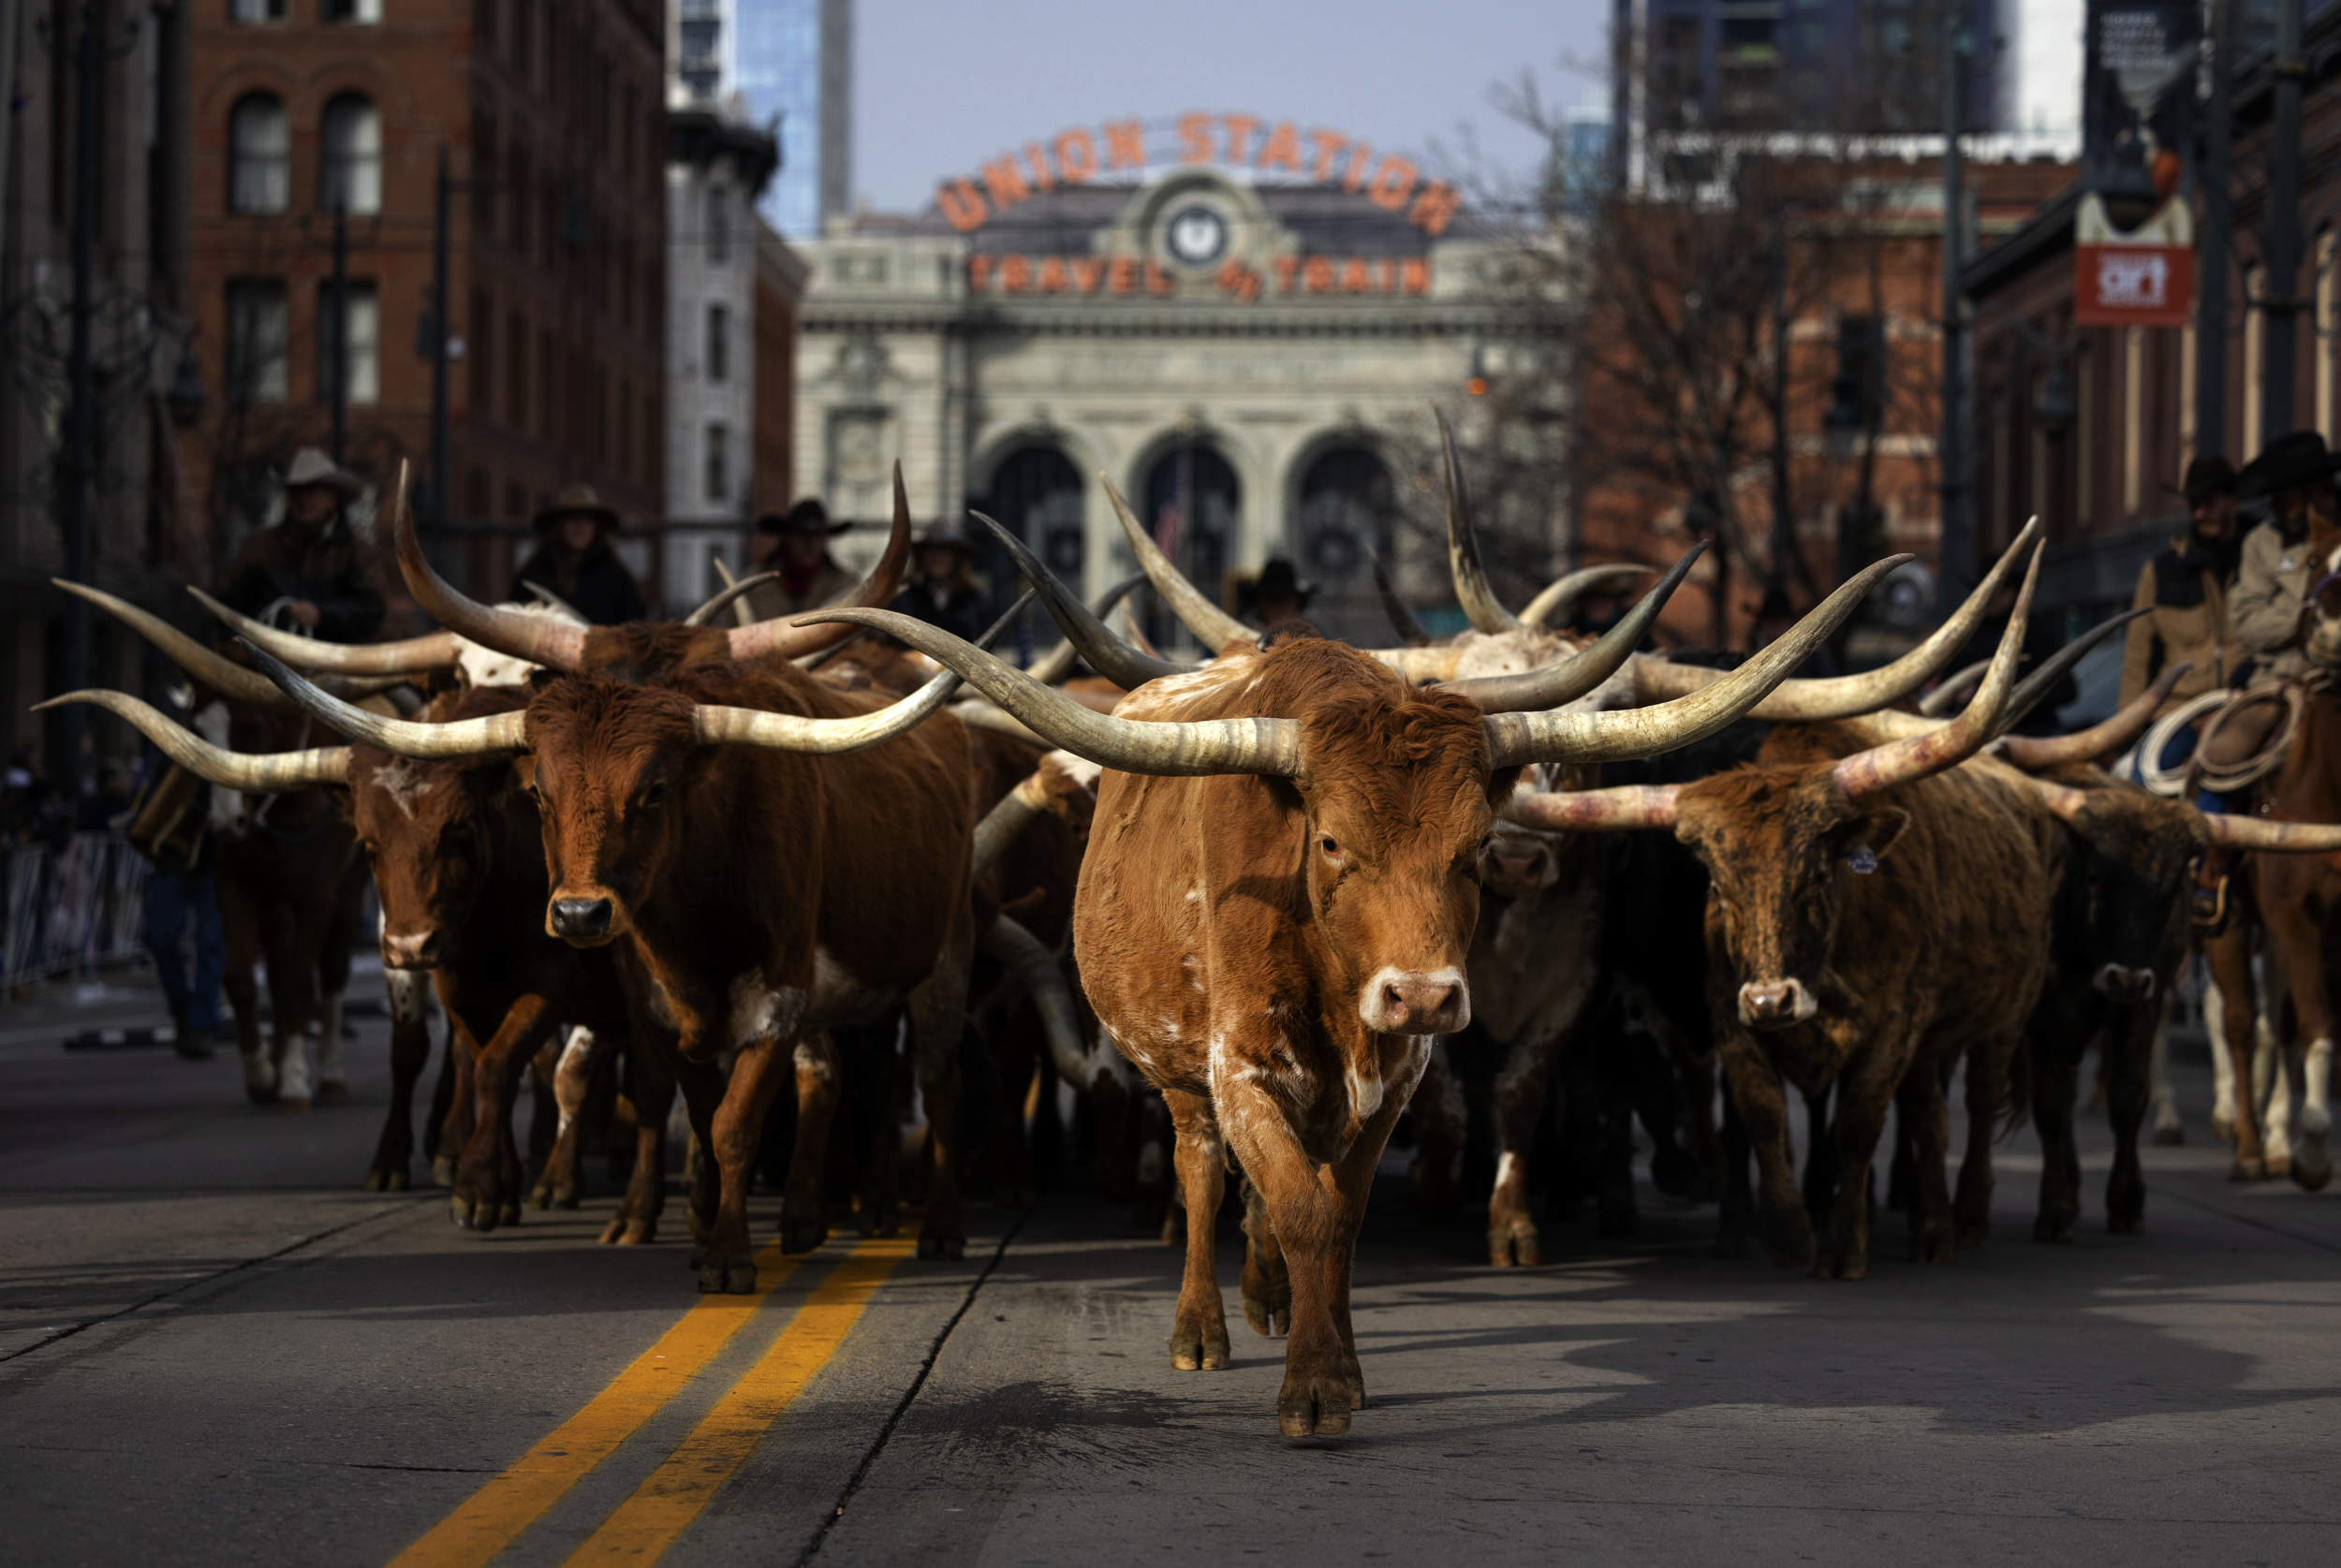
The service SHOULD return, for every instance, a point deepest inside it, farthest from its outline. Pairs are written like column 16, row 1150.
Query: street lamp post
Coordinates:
column 1955, row 541
column 2279, row 299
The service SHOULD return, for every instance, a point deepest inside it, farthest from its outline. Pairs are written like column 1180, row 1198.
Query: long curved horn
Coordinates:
column 1562, row 595
column 2258, row 832
column 1946, row 695
column 254, row 772
column 1569, row 679
column 1214, row 627
column 1587, row 810
column 1842, row 696
column 1402, row 620
column 783, row 638
column 540, row 639
column 496, row 733
column 222, row 674
column 1518, row 739
column 1898, row 762
column 1052, row 668
column 1271, row 746
column 413, row 655
column 1007, row 818
column 979, row 713
column 1108, row 655
column 2031, row 751
column 740, row 613
column 726, row 597
column 1481, row 606
column 1021, row 953
column 715, row 724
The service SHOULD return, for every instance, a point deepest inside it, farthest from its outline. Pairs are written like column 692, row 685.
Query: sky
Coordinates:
column 942, row 85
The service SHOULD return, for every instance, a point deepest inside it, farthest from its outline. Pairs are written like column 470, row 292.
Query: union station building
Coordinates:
column 1223, row 309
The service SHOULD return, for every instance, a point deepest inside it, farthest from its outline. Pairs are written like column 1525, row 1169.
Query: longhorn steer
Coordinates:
column 1873, row 918
column 1275, row 914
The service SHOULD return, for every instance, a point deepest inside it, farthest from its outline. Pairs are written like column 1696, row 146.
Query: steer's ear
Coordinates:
column 1876, row 832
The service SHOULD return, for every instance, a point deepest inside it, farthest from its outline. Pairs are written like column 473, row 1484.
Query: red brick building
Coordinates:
column 550, row 117
column 2092, row 426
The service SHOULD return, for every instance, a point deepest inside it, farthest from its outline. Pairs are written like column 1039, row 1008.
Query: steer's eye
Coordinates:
column 1331, row 848
column 655, row 795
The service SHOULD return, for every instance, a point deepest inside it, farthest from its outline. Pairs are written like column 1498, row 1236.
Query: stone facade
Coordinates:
column 1268, row 349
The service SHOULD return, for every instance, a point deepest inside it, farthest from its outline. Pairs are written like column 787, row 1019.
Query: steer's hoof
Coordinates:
column 623, row 1231
column 2253, row 1169
column 1317, row 1406
column 1930, row 1244
column 293, row 1105
column 511, row 1212
column 1201, row 1347
column 2126, row 1225
column 2312, row 1178
column 2279, row 1166
column 728, row 1277
column 1971, row 1233
column 1513, row 1245
column 2056, row 1230
column 334, row 1088
column 2170, row 1136
column 802, row 1233
column 1851, row 1265
column 2223, row 1126
column 443, row 1171
column 949, row 1245
column 387, row 1180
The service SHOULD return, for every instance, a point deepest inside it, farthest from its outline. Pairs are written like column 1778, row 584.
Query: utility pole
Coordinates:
column 1955, row 546
column 2277, row 298
column 81, row 441
column 2211, row 296
column 338, row 363
column 441, row 486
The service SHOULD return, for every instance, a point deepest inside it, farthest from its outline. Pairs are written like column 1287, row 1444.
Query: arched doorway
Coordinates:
column 1193, row 502
column 1348, row 507
column 1036, row 494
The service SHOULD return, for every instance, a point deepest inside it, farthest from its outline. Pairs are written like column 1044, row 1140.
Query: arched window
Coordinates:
column 260, row 154
column 350, row 171
column 1348, row 506
column 1194, row 490
column 1037, row 495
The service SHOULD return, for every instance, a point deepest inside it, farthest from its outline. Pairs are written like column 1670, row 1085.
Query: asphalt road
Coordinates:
column 214, row 1348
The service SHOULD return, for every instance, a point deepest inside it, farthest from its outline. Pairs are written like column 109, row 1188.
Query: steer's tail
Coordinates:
column 2016, row 1107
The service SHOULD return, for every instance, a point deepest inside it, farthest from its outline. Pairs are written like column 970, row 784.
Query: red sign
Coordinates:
column 2140, row 277
column 2132, row 285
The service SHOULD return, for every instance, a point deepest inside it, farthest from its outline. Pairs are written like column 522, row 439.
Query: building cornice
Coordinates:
column 1184, row 321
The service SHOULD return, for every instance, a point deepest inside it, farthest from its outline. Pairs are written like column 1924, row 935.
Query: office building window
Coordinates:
column 718, row 344
column 719, row 226
column 260, row 154
column 362, row 329
column 257, row 337
column 257, row 10
column 363, row 12
column 350, row 170
column 718, row 463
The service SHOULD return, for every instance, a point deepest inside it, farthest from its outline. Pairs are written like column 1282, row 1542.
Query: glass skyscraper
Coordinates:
column 794, row 59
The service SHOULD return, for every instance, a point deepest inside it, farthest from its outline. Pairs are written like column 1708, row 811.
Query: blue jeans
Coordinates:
column 173, row 900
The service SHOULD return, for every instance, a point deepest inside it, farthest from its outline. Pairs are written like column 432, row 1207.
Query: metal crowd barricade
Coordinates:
column 72, row 909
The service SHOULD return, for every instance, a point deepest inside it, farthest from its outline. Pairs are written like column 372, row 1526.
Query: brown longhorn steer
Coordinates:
column 1275, row 914
column 1873, row 917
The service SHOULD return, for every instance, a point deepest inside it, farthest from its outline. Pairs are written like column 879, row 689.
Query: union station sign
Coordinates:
column 1268, row 149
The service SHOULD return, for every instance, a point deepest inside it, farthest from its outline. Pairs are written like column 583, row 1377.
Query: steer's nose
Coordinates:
column 581, row 919
column 411, row 951
column 2128, row 986
column 1416, row 1002
column 1776, row 1004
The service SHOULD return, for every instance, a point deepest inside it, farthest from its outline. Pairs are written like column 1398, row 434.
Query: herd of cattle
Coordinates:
column 1250, row 910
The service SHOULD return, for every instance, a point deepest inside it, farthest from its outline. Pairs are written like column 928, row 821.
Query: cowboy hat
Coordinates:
column 944, row 536
column 2296, row 458
column 577, row 500
column 807, row 515
column 1278, row 580
column 2207, row 476
column 311, row 467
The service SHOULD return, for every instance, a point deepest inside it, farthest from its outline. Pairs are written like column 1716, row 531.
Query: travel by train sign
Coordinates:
column 1269, row 150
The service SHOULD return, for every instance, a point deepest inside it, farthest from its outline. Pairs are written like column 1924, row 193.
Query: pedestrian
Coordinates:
column 576, row 564
column 308, row 573
column 797, row 546
column 168, row 823
column 943, row 592
column 1279, row 594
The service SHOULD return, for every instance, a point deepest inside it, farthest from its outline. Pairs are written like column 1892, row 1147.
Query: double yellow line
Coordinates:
column 642, row 1526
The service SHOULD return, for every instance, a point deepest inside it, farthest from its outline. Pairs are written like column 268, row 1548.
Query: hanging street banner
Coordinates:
column 2142, row 278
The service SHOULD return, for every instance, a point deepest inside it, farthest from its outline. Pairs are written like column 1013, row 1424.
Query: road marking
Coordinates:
column 492, row 1518
column 671, row 1497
